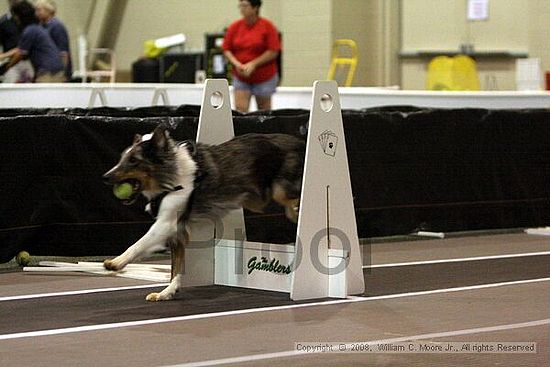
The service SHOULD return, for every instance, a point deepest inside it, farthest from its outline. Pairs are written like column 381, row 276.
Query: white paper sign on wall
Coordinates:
column 478, row 10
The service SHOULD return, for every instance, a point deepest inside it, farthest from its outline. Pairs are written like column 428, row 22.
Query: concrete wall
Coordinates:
column 352, row 20
column 305, row 27
column 537, row 28
column 513, row 25
column 308, row 27
column 381, row 28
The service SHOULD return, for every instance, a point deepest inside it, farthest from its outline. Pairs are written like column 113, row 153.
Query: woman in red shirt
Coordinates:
column 251, row 45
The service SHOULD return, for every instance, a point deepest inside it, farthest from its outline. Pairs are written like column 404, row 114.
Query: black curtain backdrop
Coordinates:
column 411, row 169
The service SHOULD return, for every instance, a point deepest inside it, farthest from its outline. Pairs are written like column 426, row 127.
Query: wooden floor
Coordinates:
column 470, row 289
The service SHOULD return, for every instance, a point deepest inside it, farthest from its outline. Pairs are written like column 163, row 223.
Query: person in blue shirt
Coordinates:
column 9, row 38
column 36, row 45
column 45, row 11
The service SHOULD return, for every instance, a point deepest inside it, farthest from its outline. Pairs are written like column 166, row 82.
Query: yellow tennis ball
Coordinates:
column 123, row 191
column 23, row 258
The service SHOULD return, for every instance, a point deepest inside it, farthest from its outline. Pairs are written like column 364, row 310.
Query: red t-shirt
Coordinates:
column 247, row 42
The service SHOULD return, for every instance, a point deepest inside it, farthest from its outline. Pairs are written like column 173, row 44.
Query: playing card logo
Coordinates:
column 329, row 142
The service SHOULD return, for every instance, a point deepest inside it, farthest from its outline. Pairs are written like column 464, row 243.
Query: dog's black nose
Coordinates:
column 107, row 179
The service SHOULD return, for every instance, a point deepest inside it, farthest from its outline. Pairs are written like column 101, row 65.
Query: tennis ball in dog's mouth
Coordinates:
column 23, row 258
column 123, row 191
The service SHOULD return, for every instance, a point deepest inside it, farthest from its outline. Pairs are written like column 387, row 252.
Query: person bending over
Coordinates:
column 36, row 44
column 9, row 38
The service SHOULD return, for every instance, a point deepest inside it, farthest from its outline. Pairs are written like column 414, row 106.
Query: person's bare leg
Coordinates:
column 264, row 103
column 242, row 100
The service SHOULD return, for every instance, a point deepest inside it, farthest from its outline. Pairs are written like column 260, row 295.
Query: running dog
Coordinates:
column 184, row 181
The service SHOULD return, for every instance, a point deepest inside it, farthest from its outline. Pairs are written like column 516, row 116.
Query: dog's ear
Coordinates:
column 161, row 135
column 137, row 139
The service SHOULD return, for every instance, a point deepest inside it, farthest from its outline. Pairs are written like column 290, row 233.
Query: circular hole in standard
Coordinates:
column 216, row 99
column 327, row 102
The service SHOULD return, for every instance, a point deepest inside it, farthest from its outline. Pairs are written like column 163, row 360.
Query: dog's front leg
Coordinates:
column 154, row 240
column 177, row 248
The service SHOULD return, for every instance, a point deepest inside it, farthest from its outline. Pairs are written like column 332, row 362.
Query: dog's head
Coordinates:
column 147, row 164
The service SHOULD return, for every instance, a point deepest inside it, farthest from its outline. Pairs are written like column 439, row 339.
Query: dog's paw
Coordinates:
column 155, row 297
column 111, row 265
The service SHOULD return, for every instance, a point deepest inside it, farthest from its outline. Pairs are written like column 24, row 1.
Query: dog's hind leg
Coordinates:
column 288, row 196
column 255, row 203
column 292, row 210
column 177, row 249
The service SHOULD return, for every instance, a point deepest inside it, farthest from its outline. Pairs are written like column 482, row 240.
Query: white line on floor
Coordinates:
column 450, row 290
column 81, row 291
column 100, row 290
column 164, row 320
column 293, row 353
column 443, row 261
column 117, row 325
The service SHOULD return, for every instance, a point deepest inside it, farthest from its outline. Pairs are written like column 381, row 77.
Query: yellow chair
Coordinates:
column 458, row 73
column 339, row 60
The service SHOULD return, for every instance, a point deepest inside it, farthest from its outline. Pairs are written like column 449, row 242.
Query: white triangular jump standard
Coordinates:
column 326, row 261
column 330, row 260
column 215, row 127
